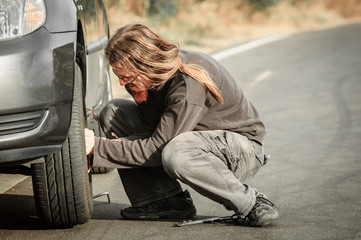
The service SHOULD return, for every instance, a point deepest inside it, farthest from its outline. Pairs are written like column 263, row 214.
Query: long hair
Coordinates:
column 140, row 48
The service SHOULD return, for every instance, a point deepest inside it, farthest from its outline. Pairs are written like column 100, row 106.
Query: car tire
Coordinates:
column 62, row 185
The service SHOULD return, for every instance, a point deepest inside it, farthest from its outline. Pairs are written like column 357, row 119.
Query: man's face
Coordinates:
column 137, row 83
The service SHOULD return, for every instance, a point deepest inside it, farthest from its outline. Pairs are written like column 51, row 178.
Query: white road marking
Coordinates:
column 7, row 181
column 263, row 76
column 247, row 46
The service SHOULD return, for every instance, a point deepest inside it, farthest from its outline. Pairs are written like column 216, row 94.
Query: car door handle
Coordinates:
column 97, row 45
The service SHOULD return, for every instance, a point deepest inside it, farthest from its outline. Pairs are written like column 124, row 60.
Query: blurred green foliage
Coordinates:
column 261, row 5
column 162, row 8
column 166, row 8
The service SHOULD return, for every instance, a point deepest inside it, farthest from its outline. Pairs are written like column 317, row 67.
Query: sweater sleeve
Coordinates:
column 180, row 115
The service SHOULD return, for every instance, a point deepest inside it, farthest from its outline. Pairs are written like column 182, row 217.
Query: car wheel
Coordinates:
column 62, row 185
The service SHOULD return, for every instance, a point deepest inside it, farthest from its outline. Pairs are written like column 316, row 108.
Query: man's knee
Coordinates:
column 121, row 108
column 175, row 159
column 106, row 113
column 171, row 157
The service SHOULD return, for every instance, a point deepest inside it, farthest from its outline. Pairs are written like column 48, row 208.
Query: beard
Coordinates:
column 140, row 97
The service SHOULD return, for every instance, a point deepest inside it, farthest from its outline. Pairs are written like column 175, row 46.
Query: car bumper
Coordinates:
column 36, row 79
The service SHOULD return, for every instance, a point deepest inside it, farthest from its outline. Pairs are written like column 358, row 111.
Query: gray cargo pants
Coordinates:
column 214, row 163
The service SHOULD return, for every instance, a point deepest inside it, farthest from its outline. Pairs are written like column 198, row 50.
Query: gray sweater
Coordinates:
column 182, row 105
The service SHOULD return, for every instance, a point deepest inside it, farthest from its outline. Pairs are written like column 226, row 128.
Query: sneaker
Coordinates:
column 263, row 212
column 179, row 206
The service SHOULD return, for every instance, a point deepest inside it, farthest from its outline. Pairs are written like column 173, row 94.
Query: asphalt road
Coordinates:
column 307, row 88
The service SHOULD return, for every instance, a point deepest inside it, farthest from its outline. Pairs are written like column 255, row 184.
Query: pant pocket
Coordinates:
column 251, row 159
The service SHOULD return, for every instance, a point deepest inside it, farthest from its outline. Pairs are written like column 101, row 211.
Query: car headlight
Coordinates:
column 20, row 17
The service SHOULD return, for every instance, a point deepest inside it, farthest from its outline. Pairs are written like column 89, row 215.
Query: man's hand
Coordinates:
column 89, row 141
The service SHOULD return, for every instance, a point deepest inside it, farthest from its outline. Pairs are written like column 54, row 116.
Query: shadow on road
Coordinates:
column 20, row 169
column 107, row 211
column 18, row 212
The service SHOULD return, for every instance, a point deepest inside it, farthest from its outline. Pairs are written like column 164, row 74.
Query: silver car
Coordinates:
column 53, row 78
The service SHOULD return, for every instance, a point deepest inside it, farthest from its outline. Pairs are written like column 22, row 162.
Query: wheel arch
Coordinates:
column 80, row 53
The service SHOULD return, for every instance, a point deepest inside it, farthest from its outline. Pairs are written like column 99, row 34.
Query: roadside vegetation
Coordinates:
column 211, row 25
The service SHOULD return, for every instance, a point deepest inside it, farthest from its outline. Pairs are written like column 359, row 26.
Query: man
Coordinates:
column 190, row 122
